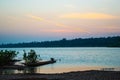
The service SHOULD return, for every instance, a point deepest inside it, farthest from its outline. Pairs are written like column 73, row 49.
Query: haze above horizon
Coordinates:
column 42, row 20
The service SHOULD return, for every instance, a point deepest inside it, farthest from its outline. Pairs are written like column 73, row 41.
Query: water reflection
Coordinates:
column 7, row 71
column 27, row 70
column 14, row 71
column 53, row 70
column 108, row 69
column 30, row 70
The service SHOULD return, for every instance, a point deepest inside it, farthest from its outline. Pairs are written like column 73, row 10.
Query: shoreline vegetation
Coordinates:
column 78, row 42
column 31, row 59
column 7, row 57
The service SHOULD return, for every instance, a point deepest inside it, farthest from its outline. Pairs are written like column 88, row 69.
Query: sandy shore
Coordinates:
column 78, row 75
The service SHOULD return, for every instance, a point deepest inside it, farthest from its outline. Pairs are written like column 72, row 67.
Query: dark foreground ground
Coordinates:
column 80, row 75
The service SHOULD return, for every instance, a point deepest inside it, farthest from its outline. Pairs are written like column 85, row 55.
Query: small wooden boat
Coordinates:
column 39, row 63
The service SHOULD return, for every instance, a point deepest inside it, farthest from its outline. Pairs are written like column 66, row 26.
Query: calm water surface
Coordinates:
column 71, row 59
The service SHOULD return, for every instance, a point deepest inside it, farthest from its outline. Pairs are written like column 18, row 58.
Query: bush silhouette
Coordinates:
column 31, row 57
column 7, row 57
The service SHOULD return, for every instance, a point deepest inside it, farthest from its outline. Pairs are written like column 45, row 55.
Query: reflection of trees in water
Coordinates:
column 30, row 70
column 14, row 71
column 10, row 71
column 6, row 71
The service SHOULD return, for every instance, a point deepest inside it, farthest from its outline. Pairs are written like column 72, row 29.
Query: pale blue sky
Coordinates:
column 39, row 20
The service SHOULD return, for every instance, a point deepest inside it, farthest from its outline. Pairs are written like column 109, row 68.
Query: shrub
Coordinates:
column 7, row 57
column 31, row 57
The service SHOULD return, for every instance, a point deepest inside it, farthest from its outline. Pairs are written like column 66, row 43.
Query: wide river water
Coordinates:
column 75, row 59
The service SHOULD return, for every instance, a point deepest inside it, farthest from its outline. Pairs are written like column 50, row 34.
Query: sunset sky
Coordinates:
column 41, row 20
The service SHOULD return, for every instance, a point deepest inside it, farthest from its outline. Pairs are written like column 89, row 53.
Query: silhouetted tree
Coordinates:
column 7, row 57
column 31, row 57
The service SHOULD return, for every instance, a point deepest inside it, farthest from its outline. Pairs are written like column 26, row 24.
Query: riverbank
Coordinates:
column 78, row 75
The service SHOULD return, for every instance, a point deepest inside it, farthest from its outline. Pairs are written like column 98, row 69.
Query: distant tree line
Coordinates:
column 78, row 42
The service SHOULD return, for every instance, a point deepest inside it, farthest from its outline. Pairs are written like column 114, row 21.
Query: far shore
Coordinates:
column 77, row 75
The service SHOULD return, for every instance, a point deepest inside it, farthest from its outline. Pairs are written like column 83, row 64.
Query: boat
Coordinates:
column 40, row 63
